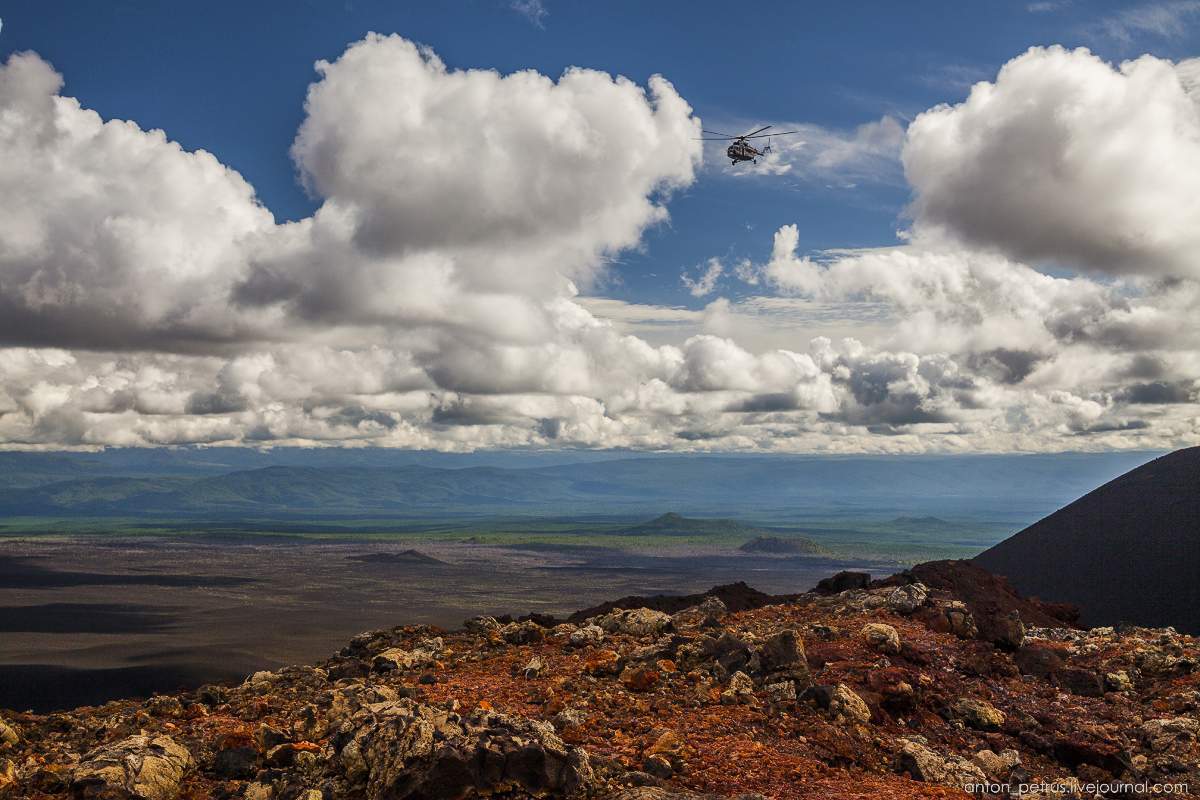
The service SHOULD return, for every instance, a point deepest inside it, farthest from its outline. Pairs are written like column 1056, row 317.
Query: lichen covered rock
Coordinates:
column 881, row 637
column 634, row 622
column 908, row 598
column 925, row 764
column 405, row 749
column 134, row 768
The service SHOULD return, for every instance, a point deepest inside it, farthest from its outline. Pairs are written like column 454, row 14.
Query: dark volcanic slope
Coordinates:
column 1128, row 551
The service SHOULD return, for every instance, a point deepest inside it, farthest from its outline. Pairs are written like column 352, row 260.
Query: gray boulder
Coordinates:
column 907, row 599
column 881, row 638
column 135, row 768
column 1174, row 735
column 404, row 749
column 709, row 612
column 923, row 764
column 10, row 734
column 634, row 621
column 592, row 635
column 846, row 706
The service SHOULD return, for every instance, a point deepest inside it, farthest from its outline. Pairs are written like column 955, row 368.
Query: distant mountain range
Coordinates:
column 232, row 483
column 1127, row 552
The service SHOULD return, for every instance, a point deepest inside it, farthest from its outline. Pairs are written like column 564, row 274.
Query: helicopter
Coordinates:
column 740, row 148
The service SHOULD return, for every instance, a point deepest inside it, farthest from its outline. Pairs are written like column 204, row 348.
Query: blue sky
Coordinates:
column 981, row 239
column 230, row 77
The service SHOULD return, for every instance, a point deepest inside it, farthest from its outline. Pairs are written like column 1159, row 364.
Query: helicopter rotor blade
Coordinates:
column 753, row 133
column 769, row 135
column 718, row 133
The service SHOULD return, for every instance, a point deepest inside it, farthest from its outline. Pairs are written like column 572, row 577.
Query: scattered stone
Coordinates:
column 846, row 706
column 481, row 624
column 708, row 613
column 1083, row 682
column 162, row 706
column 741, row 689
column 659, row 766
column 260, row 679
column 639, row 678
column 1038, row 660
column 533, row 669
column 10, row 734
column 568, row 718
column 407, row 749
column 426, row 654
column 896, row 693
column 258, row 791
column 924, row 764
column 661, row 793
column 668, row 743
column 881, row 638
column 634, row 621
column 825, row 633
column 237, row 759
column 782, row 692
column 908, row 598
column 138, row 768
column 290, row 754
column 267, row 737
column 731, row 653
column 1118, row 681
column 660, row 648
column 959, row 620
column 843, row 581
column 349, row 669
column 602, row 662
column 525, row 632
column 587, row 636
column 1008, row 631
column 997, row 766
column 978, row 714
column 212, row 695
column 784, row 652
column 563, row 630
column 343, row 731
column 1170, row 735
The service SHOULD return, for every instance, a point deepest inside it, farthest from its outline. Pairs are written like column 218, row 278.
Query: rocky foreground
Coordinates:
column 929, row 684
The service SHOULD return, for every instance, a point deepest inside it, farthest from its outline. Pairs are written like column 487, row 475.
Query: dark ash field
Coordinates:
column 84, row 619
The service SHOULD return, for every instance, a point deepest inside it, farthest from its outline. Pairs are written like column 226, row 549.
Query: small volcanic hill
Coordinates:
column 1126, row 552
column 672, row 524
column 779, row 545
column 920, row 524
column 403, row 557
column 887, row 690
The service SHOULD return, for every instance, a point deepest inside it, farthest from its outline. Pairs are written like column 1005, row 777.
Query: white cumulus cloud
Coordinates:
column 1065, row 158
column 436, row 297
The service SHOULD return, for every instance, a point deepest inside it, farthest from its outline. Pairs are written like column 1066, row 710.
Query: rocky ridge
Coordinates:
column 892, row 688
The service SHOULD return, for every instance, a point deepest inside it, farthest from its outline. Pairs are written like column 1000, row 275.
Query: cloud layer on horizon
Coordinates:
column 434, row 299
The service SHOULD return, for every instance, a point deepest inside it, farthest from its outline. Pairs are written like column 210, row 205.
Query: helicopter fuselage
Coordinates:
column 742, row 151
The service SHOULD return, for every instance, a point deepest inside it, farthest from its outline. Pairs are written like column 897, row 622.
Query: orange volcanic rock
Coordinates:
column 784, row 700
